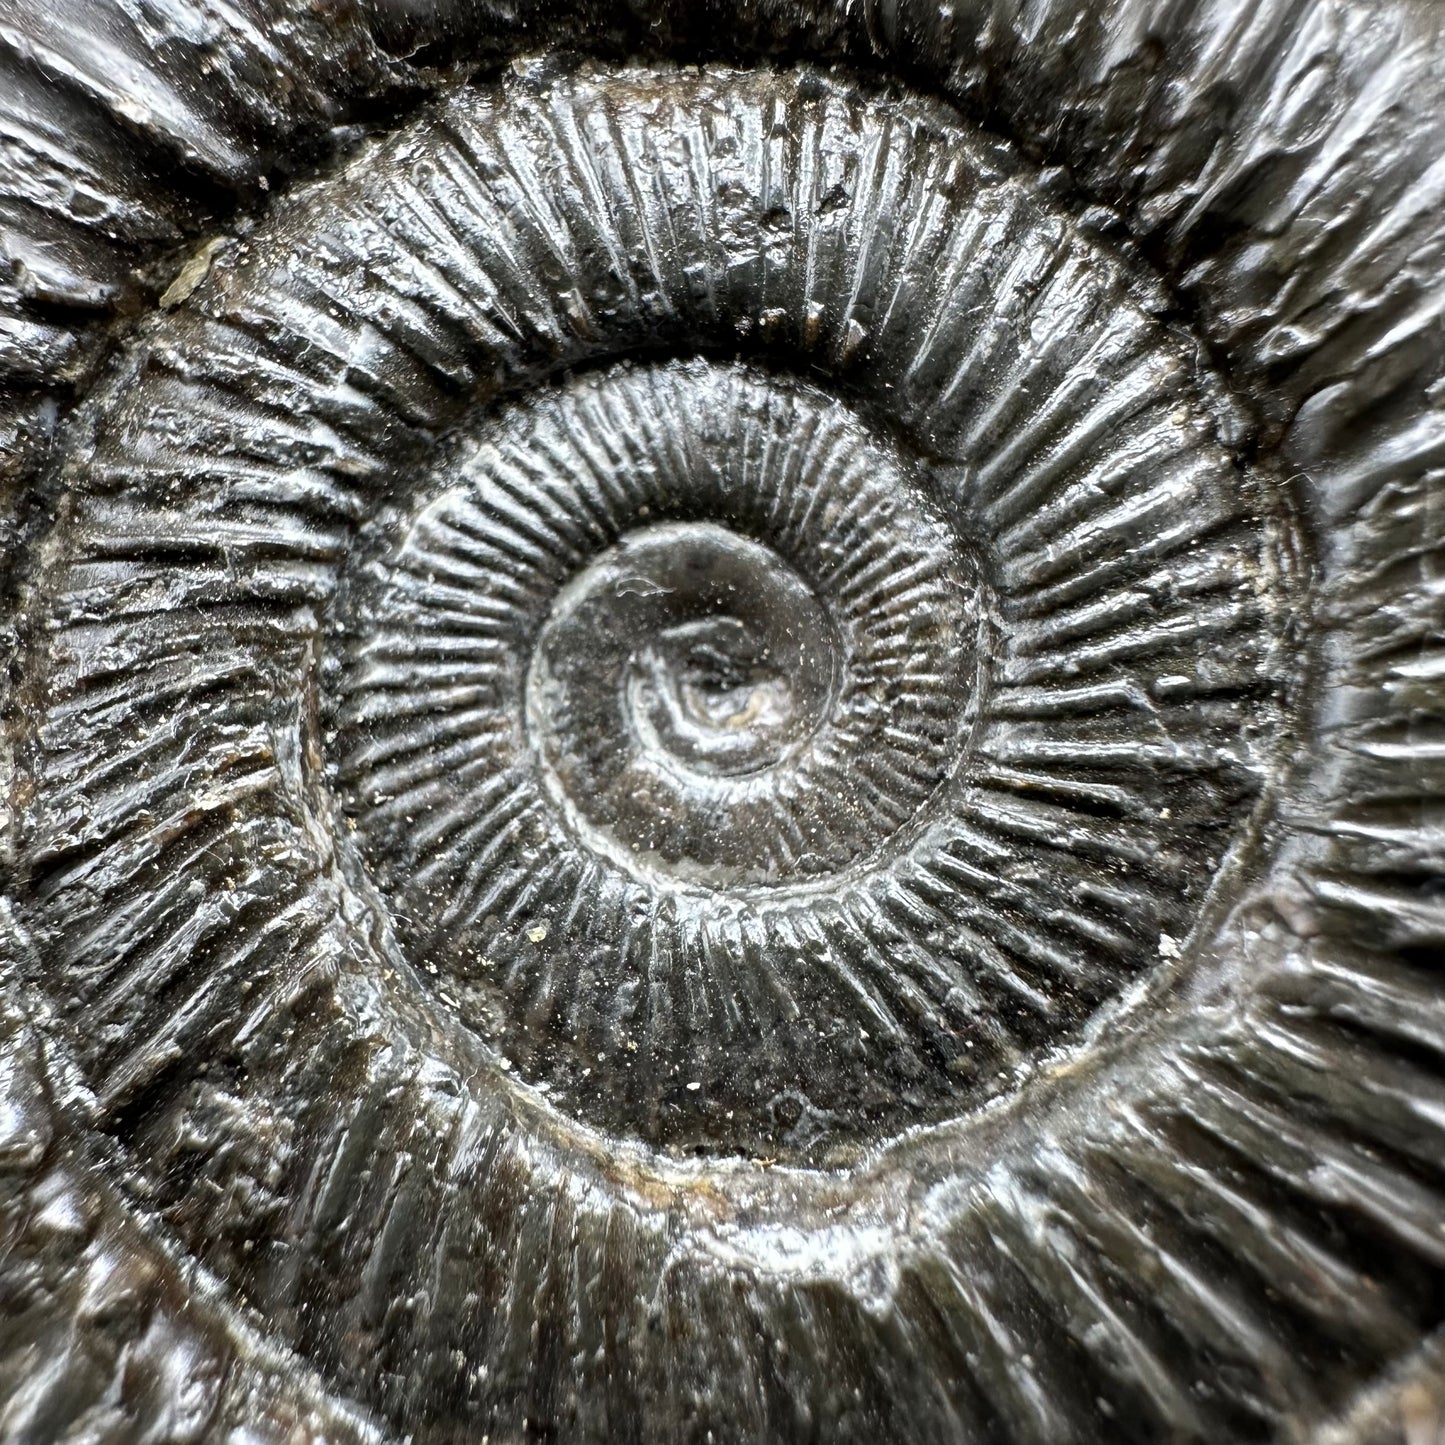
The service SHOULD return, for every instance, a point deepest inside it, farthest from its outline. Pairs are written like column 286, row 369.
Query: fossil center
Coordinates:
column 671, row 673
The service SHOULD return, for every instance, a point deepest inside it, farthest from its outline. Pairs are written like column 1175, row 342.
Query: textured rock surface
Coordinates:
column 723, row 722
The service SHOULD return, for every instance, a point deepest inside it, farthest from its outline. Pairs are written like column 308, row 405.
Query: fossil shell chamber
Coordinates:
column 725, row 739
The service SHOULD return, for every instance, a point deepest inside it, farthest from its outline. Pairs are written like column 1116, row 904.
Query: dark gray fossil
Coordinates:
column 723, row 722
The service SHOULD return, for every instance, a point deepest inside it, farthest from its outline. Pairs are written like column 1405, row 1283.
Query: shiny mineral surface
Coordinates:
column 722, row 722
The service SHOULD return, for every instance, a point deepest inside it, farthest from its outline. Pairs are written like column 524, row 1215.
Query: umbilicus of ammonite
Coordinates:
column 722, row 723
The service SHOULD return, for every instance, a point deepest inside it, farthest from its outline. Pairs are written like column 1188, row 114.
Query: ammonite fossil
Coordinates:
column 723, row 723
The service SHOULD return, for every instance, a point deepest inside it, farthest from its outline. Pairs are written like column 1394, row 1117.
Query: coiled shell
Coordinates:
column 697, row 754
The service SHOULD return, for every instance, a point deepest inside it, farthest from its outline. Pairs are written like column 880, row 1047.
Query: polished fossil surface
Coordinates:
column 722, row 722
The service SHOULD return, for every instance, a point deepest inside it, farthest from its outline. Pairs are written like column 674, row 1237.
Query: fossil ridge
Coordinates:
column 721, row 721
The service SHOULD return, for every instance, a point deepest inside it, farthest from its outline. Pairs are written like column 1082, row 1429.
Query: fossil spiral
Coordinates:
column 722, row 726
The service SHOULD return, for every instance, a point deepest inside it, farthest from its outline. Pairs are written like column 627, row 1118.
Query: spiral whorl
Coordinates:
column 672, row 657
column 717, row 751
column 753, row 769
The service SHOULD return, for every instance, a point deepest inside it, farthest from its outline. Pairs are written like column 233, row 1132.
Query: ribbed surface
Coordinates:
column 1220, row 1220
column 1121, row 747
column 587, row 888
